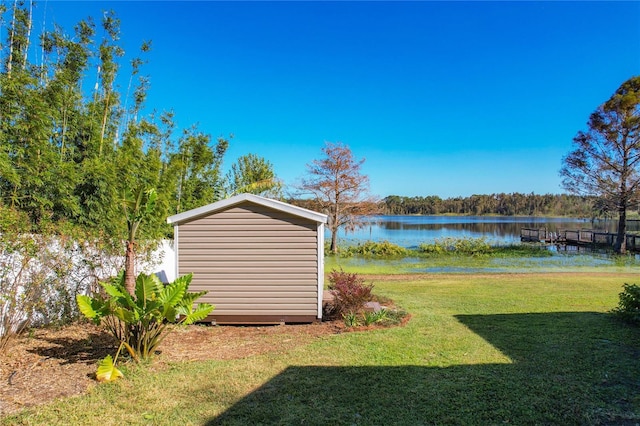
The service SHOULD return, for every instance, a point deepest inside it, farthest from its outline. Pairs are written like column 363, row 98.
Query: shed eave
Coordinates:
column 256, row 199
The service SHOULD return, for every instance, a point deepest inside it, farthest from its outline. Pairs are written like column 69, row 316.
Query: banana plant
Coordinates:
column 139, row 321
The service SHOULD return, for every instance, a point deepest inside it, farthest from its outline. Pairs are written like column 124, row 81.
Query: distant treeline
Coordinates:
column 515, row 204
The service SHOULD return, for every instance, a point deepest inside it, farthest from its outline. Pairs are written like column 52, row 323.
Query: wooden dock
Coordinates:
column 581, row 237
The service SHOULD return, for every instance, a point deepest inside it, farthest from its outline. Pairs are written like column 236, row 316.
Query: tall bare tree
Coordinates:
column 606, row 159
column 340, row 189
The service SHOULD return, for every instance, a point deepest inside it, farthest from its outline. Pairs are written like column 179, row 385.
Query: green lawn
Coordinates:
column 479, row 349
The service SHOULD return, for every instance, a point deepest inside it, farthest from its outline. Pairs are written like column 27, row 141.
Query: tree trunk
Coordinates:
column 13, row 30
column 620, row 245
column 334, row 241
column 26, row 47
column 129, row 266
column 104, row 121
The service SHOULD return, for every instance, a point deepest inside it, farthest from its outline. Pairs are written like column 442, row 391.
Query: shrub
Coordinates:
column 375, row 249
column 139, row 321
column 431, row 248
column 351, row 319
column 472, row 246
column 41, row 273
column 349, row 291
column 466, row 246
column 629, row 305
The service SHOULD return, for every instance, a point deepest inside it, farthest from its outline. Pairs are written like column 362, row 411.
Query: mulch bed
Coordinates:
column 49, row 363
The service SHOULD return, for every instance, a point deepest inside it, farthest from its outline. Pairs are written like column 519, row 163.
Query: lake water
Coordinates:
column 411, row 231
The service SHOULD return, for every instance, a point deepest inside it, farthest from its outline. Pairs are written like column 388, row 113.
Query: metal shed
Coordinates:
column 261, row 260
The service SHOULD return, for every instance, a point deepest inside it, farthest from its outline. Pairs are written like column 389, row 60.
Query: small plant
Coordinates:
column 383, row 317
column 139, row 322
column 368, row 318
column 629, row 305
column 351, row 319
column 349, row 291
column 374, row 317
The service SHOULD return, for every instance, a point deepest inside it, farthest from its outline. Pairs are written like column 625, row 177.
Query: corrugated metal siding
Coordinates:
column 253, row 261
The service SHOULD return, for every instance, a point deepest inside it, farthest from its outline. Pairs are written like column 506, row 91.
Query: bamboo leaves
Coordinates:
column 72, row 143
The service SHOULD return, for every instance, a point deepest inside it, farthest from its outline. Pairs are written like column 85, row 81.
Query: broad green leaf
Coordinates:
column 107, row 371
column 184, row 279
column 93, row 308
column 159, row 285
column 189, row 298
column 200, row 313
column 113, row 290
column 153, row 305
column 119, row 294
column 172, row 294
column 170, row 313
column 147, row 287
column 119, row 279
column 86, row 306
column 126, row 315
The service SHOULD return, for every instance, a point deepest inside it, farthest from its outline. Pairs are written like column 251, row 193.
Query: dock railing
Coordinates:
column 533, row 234
column 578, row 237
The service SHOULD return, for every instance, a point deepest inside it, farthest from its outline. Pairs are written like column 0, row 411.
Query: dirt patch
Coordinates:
column 50, row 363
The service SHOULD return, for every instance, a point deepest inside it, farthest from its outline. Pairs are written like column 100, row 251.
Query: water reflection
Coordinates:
column 410, row 231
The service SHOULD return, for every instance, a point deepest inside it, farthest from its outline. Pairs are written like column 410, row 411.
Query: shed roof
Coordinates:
column 255, row 199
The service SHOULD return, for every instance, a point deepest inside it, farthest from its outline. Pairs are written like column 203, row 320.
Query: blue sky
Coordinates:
column 440, row 98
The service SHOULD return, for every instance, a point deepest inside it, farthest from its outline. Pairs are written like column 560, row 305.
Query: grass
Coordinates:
column 470, row 264
column 480, row 349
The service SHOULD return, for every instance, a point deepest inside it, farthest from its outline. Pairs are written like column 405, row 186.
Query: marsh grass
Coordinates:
column 480, row 349
column 521, row 250
column 464, row 254
column 441, row 247
column 372, row 249
column 469, row 257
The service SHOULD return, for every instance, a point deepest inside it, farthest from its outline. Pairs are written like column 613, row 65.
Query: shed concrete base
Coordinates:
column 259, row 319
